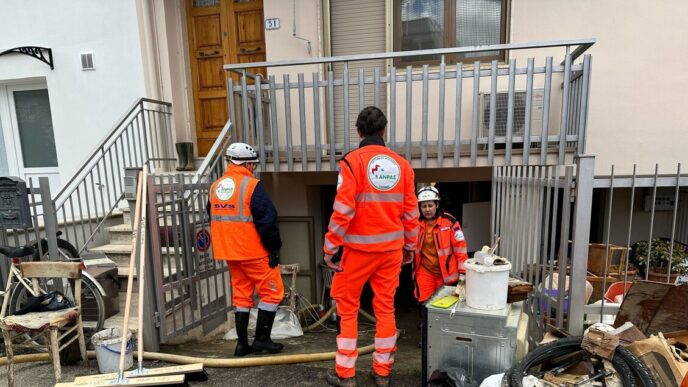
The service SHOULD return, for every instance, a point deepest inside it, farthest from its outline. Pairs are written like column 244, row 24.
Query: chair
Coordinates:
column 51, row 328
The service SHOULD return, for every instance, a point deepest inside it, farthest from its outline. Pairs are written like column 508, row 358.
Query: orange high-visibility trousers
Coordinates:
column 247, row 276
column 426, row 284
column 382, row 269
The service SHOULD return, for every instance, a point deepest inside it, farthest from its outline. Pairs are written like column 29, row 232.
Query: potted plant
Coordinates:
column 659, row 259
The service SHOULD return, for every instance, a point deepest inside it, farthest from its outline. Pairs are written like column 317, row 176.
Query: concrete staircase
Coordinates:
column 119, row 251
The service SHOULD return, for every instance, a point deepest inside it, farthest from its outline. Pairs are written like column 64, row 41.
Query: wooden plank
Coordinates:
column 143, row 381
column 51, row 269
column 180, row 369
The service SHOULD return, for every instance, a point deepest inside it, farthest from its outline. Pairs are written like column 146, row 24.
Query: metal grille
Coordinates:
column 535, row 218
column 501, row 112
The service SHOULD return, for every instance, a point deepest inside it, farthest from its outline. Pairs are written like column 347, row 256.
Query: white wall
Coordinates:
column 84, row 104
column 638, row 86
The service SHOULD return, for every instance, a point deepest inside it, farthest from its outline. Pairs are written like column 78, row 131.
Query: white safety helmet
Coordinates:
column 240, row 153
column 427, row 194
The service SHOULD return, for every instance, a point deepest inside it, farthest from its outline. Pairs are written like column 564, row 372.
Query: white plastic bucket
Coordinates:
column 487, row 287
column 108, row 344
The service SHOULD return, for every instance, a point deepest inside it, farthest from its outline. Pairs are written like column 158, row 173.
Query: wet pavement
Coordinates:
column 406, row 369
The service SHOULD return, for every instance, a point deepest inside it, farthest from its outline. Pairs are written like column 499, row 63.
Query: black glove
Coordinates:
column 274, row 259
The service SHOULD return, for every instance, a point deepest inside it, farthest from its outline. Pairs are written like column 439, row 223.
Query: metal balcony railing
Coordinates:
column 533, row 111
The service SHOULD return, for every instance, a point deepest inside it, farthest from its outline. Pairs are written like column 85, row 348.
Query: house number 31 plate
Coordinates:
column 272, row 24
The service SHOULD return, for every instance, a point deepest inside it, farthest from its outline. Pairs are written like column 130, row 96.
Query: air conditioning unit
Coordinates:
column 519, row 118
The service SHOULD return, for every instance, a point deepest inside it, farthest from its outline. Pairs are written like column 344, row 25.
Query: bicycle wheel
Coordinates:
column 66, row 250
column 92, row 304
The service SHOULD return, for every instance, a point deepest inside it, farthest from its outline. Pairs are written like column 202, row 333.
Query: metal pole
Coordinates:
column 49, row 218
column 585, row 177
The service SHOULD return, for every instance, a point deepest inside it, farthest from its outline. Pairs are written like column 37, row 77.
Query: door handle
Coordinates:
column 202, row 53
column 245, row 51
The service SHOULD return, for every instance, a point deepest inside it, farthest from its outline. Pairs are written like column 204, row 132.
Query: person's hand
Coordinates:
column 331, row 265
column 274, row 259
column 408, row 257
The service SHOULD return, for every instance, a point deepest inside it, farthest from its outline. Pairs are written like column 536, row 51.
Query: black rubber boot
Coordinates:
column 190, row 164
column 241, row 322
column 262, row 342
column 181, row 156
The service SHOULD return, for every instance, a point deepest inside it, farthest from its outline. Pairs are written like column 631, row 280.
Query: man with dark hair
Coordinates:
column 376, row 219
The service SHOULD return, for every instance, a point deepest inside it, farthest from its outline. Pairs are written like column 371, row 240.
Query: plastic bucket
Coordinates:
column 487, row 287
column 108, row 344
column 617, row 289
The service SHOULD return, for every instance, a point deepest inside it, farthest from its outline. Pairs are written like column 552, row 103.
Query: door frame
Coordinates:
column 8, row 115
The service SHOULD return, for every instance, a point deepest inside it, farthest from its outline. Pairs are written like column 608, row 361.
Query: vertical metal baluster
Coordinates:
column 376, row 90
column 476, row 108
column 529, row 197
column 564, row 243
column 302, row 122
column 231, row 108
column 424, row 120
column 81, row 215
column 244, row 109
column 510, row 110
column 259, row 122
column 361, row 89
column 330, row 115
column 457, row 112
column 553, row 231
column 316, row 120
column 494, row 204
column 180, row 270
column 544, row 140
column 440, row 118
column 346, row 108
column 528, row 117
column 652, row 223
column 585, row 95
column 673, row 220
column 287, row 117
column 606, row 240
column 118, row 164
column 166, row 238
column 630, row 226
column 409, row 109
column 393, row 108
column 273, row 124
column 88, row 208
column 565, row 107
column 493, row 113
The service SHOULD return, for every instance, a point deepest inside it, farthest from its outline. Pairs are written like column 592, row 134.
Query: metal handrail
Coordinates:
column 215, row 153
column 98, row 149
column 582, row 46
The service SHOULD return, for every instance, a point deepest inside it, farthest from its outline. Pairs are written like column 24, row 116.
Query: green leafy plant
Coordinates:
column 659, row 256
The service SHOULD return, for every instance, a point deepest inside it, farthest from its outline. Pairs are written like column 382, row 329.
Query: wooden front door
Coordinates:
column 220, row 31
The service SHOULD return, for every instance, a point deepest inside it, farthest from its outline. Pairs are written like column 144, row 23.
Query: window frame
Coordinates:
column 449, row 39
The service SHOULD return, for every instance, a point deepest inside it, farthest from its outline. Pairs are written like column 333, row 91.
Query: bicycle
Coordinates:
column 92, row 304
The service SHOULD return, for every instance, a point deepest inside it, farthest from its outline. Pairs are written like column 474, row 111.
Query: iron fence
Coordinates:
column 541, row 215
column 643, row 235
column 464, row 115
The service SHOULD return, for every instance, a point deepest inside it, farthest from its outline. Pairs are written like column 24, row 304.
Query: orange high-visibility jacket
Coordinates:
column 375, row 208
column 450, row 244
column 233, row 233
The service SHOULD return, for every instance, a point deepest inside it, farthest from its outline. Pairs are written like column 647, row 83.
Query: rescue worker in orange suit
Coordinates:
column 375, row 219
column 440, row 248
column 244, row 232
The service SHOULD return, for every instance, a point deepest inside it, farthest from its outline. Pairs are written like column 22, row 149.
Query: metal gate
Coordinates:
column 541, row 215
column 191, row 288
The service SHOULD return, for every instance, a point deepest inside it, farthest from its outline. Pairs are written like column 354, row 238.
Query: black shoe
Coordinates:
column 334, row 380
column 241, row 322
column 262, row 342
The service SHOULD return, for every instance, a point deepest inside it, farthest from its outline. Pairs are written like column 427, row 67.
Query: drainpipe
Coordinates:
column 149, row 50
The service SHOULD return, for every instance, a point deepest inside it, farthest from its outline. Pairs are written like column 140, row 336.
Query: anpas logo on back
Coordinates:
column 383, row 172
column 225, row 189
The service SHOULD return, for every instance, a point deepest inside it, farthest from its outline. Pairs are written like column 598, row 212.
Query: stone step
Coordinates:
column 120, row 234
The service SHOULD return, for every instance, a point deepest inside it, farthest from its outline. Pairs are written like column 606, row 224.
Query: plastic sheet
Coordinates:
column 286, row 325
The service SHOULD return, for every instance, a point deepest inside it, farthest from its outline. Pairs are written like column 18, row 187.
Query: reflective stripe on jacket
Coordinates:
column 375, row 208
column 450, row 244
column 234, row 235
